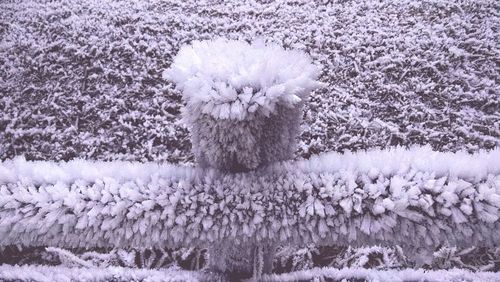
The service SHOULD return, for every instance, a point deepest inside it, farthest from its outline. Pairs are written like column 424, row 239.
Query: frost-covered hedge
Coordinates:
column 406, row 197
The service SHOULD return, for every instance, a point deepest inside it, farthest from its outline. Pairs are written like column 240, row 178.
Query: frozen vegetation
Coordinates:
column 44, row 273
column 92, row 80
column 84, row 79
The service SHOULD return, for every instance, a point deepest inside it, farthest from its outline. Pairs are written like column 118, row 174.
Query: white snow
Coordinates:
column 397, row 160
column 84, row 79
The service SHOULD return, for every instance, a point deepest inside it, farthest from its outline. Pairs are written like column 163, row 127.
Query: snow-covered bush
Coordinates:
column 243, row 101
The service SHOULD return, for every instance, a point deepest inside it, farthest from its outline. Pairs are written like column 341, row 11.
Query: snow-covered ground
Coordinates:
column 84, row 78
column 361, row 274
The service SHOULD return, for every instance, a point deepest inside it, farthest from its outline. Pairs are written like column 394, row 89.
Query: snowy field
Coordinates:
column 85, row 79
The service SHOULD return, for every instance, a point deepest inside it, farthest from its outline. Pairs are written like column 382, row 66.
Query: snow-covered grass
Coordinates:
column 84, row 78
column 388, row 197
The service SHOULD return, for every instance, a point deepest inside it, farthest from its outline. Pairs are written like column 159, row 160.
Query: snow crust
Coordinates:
column 361, row 201
column 231, row 79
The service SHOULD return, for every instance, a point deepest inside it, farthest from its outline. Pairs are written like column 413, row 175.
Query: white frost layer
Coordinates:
column 43, row 172
column 361, row 198
column 389, row 161
column 399, row 160
column 230, row 79
column 42, row 273
column 453, row 275
column 59, row 274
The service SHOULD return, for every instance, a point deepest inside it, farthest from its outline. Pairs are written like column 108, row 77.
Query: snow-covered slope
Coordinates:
column 408, row 197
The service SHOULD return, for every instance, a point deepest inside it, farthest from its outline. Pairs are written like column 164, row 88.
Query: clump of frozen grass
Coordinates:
column 243, row 101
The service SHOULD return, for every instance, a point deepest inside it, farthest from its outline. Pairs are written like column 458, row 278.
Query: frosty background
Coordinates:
column 83, row 79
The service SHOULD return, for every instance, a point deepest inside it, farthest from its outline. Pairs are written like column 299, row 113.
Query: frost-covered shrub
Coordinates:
column 243, row 101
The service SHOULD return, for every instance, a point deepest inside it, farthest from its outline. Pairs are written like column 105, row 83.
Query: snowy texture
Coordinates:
column 243, row 101
column 237, row 146
column 59, row 274
column 251, row 260
column 83, row 79
column 387, row 197
column 234, row 79
column 361, row 274
column 64, row 274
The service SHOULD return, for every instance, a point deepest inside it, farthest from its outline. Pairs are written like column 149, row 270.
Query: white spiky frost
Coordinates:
column 332, row 198
column 232, row 79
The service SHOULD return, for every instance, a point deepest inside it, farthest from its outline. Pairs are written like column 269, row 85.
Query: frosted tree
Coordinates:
column 243, row 107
